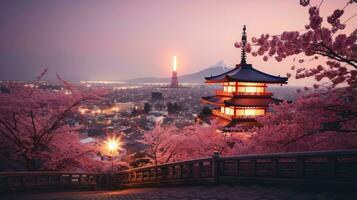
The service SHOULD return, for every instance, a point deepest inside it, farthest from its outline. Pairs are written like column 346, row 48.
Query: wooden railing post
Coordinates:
column 156, row 173
column 332, row 167
column 222, row 167
column 254, row 167
column 215, row 167
column 300, row 162
column 164, row 171
column 190, row 170
column 201, row 169
column 149, row 174
column 275, row 167
column 237, row 167
column 181, row 171
column 173, row 171
column 79, row 179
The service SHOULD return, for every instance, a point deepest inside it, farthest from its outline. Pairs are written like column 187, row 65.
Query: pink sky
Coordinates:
column 111, row 40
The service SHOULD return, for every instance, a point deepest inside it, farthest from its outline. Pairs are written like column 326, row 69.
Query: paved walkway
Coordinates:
column 188, row 193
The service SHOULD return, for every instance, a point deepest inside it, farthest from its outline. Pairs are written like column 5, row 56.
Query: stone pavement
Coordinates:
column 187, row 193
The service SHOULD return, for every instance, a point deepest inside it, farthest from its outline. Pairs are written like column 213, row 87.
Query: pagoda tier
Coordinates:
column 260, row 101
column 240, row 108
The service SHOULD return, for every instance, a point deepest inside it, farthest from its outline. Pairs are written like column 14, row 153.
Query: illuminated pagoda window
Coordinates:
column 244, row 95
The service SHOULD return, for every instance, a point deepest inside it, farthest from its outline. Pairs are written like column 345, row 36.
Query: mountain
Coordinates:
column 197, row 77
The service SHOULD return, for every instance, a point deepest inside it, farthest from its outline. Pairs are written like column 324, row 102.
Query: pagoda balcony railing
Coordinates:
column 223, row 93
column 230, row 117
column 223, row 115
column 244, row 117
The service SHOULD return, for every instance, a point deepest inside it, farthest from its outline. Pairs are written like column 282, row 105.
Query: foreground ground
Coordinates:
column 188, row 193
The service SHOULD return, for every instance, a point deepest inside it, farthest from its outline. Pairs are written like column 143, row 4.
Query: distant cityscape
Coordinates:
column 132, row 109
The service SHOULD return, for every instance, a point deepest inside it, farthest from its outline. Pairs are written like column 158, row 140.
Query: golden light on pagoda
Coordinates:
column 174, row 63
column 244, row 87
column 243, row 111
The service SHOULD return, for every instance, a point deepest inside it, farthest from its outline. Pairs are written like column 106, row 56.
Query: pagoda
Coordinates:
column 244, row 95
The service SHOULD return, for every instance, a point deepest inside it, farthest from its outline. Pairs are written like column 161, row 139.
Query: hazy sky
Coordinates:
column 112, row 40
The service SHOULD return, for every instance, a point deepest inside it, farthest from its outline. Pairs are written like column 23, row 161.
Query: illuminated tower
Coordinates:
column 174, row 80
column 244, row 95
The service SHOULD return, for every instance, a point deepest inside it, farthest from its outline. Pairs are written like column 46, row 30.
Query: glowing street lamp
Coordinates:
column 112, row 145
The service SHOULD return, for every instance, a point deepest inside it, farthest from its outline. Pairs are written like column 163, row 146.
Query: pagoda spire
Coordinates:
column 244, row 42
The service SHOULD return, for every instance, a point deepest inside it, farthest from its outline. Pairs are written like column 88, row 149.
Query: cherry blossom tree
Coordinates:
column 316, row 40
column 325, row 118
column 319, row 121
column 34, row 130
column 169, row 144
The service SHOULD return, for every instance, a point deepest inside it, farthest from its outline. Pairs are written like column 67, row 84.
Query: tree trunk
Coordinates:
column 30, row 164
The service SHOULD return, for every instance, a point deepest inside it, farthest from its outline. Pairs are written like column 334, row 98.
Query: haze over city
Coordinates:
column 118, row 40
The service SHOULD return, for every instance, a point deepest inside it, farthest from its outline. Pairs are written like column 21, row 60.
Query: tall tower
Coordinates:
column 174, row 80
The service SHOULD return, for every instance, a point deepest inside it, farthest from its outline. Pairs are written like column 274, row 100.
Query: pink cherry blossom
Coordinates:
column 317, row 40
column 34, row 132
column 304, row 2
column 307, row 124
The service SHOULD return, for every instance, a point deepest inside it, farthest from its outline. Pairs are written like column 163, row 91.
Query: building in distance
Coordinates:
column 156, row 96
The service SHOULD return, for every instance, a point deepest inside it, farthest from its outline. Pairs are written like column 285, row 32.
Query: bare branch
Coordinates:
column 33, row 123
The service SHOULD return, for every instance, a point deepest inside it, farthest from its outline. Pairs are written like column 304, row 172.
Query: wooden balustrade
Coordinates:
column 51, row 180
column 313, row 166
column 327, row 167
column 338, row 167
column 177, row 172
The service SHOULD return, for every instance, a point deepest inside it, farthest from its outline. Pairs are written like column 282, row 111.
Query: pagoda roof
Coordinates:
column 241, row 101
column 246, row 73
column 216, row 100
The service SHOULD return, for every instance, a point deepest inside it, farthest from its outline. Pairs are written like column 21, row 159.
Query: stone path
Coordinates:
column 187, row 193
